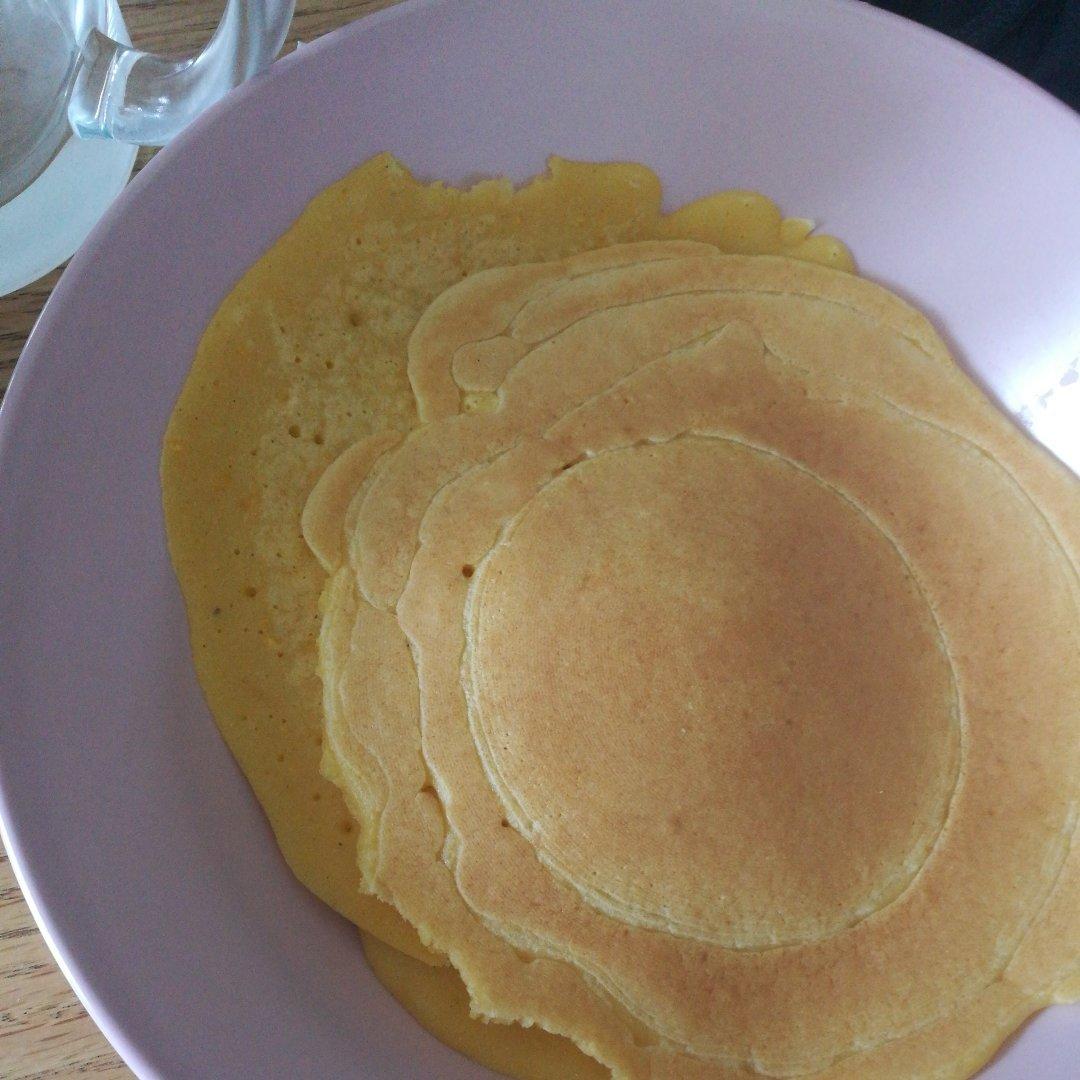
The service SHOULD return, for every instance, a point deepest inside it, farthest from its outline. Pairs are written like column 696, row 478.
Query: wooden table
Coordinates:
column 44, row 1031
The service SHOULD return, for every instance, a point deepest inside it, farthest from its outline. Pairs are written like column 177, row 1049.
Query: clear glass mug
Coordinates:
column 76, row 100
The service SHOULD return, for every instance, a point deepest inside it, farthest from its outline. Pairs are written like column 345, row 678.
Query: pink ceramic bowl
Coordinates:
column 143, row 854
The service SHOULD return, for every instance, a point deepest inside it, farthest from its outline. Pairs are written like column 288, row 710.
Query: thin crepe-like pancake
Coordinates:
column 787, row 763
column 618, row 685
column 1030, row 450
column 304, row 357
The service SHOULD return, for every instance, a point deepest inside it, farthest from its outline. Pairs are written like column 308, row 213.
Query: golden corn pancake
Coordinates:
column 681, row 694
column 641, row 628
column 306, row 355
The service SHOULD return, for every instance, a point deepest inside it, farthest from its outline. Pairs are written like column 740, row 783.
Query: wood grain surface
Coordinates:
column 45, row 1033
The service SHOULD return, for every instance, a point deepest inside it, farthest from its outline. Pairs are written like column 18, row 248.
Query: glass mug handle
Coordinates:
column 132, row 96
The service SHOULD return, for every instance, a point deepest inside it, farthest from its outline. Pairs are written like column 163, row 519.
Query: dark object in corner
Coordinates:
column 1038, row 38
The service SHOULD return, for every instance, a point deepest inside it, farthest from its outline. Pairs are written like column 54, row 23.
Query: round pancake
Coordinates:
column 779, row 777
column 307, row 355
column 1033, row 451
column 749, row 1004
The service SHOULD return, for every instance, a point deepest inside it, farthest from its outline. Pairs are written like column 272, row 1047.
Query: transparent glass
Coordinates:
column 69, row 81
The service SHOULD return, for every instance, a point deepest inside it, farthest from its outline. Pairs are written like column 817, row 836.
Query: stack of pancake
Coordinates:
column 698, row 646
column 703, row 670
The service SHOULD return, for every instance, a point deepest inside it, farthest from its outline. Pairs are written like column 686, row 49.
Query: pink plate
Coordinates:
column 147, row 861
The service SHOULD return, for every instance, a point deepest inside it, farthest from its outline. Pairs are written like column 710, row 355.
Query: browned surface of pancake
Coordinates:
column 532, row 875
